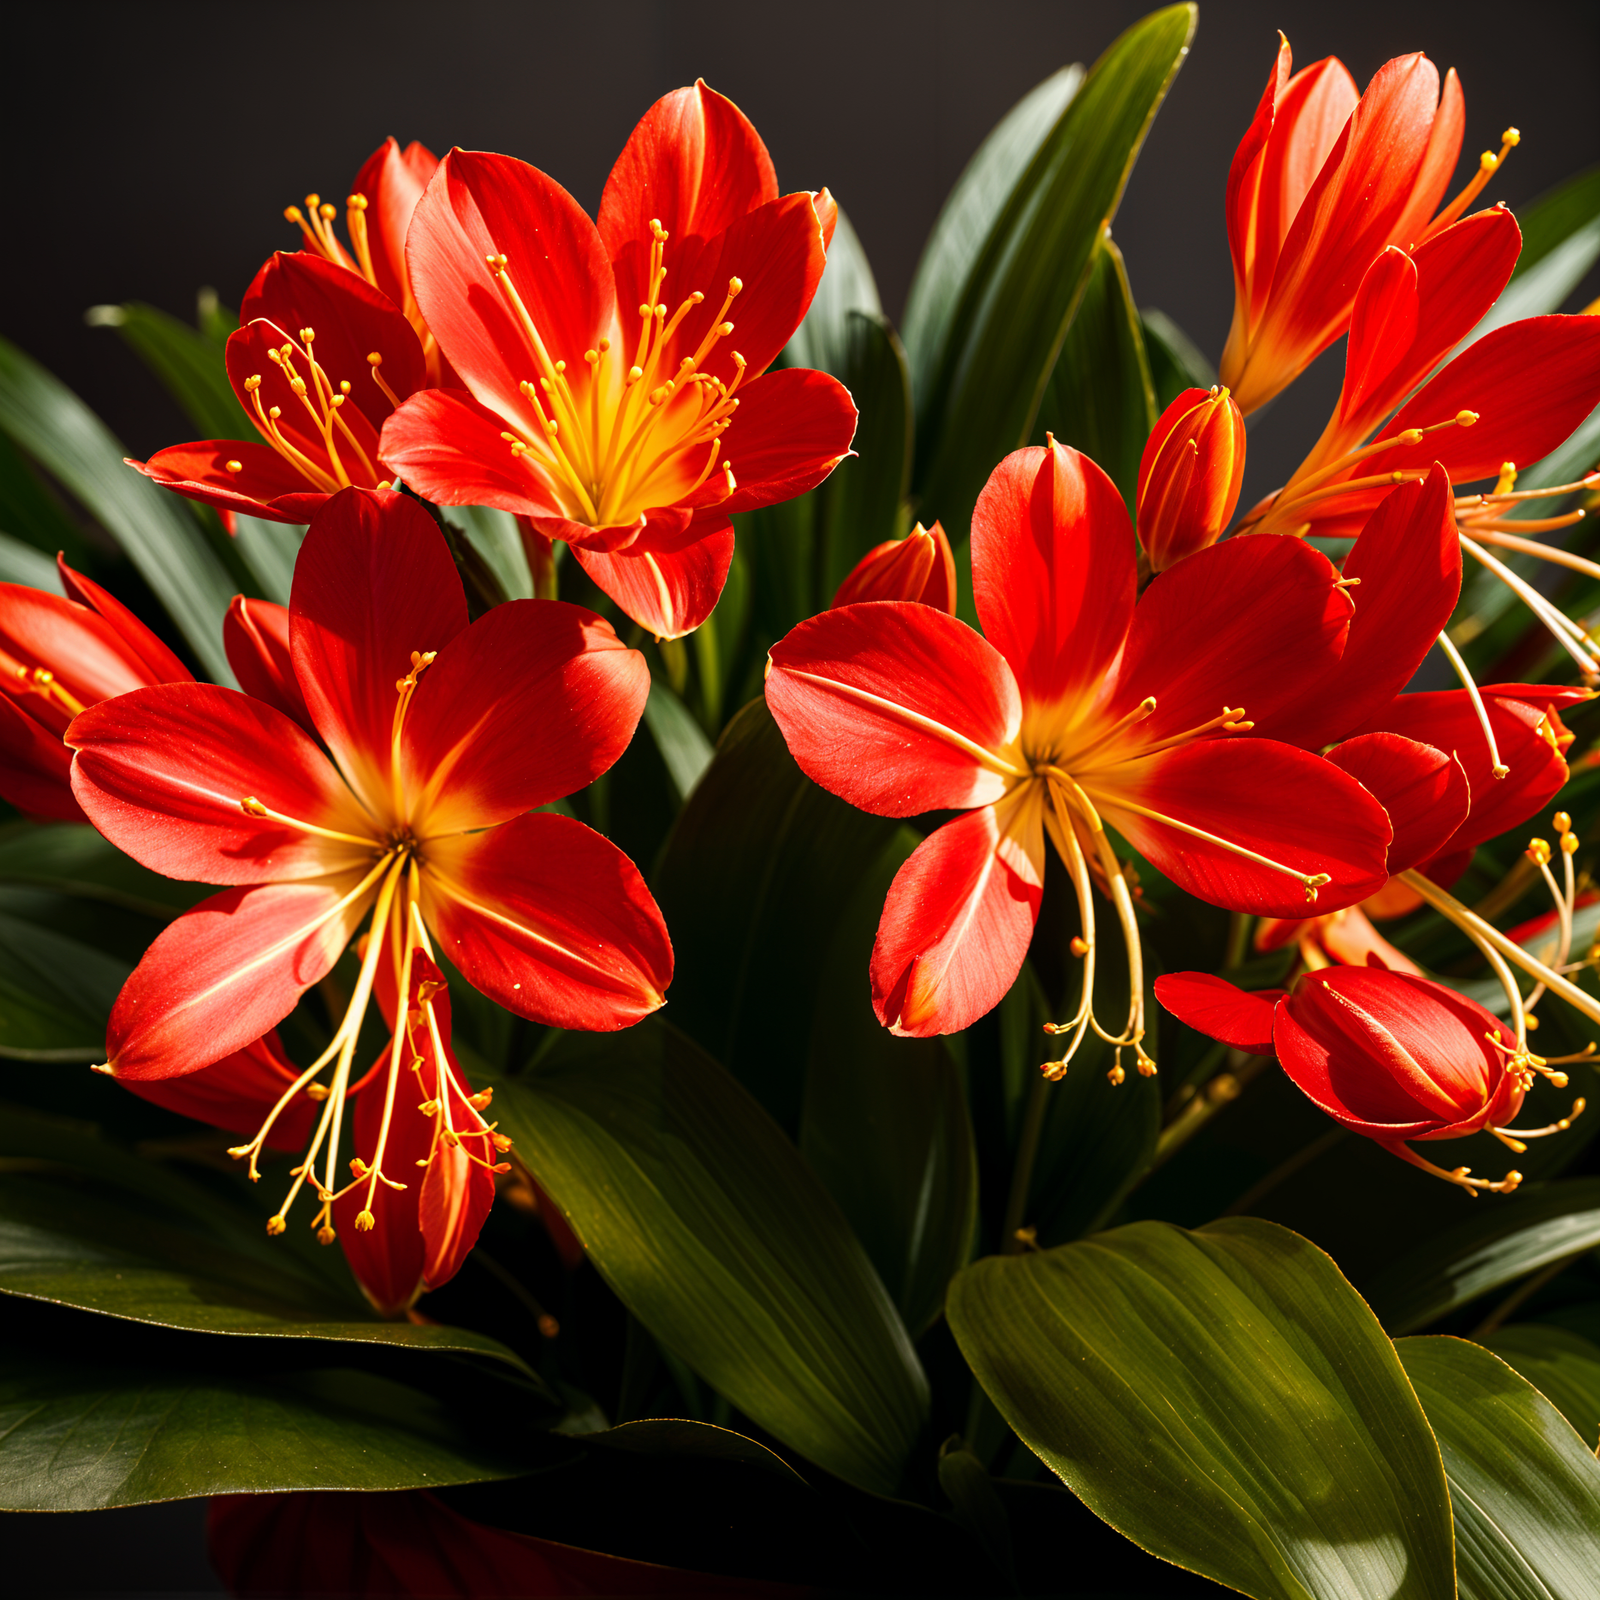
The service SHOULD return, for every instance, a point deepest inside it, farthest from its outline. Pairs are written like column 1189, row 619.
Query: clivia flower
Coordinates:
column 320, row 361
column 1077, row 711
column 1389, row 1055
column 58, row 656
column 919, row 567
column 1320, row 185
column 442, row 738
column 619, row 392
column 378, row 216
column 1189, row 476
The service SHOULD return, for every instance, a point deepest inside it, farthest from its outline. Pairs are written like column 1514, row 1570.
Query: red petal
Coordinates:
column 84, row 652
column 237, row 1093
column 478, row 205
column 1446, row 720
column 161, row 665
column 255, row 634
column 792, row 428
column 35, row 767
column 919, row 567
column 466, row 755
column 373, row 583
column 266, row 485
column 1424, row 790
column 393, row 184
column 1214, row 1007
column 226, row 972
column 1250, row 622
column 895, row 707
column 958, row 918
column 351, row 321
column 1053, row 570
column 551, row 921
column 695, row 164
column 449, row 448
column 1290, row 806
column 1383, row 327
column 669, row 584
column 1254, row 247
column 1407, row 563
column 161, row 772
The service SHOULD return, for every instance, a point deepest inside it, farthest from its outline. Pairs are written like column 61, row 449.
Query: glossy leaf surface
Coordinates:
column 1224, row 1399
column 685, row 750
column 721, row 1241
column 1525, row 1489
column 1563, row 1366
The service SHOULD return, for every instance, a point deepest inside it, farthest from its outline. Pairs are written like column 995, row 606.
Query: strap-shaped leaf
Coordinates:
column 1525, row 1488
column 752, row 881
column 1492, row 1247
column 885, row 1122
column 701, row 1215
column 685, row 750
column 21, row 563
column 189, row 366
column 1563, row 1366
column 71, row 858
column 269, row 550
column 79, row 1435
column 1176, row 361
column 1100, row 398
column 1223, row 1398
column 30, row 513
column 495, row 537
column 1560, row 242
column 822, row 339
column 53, row 426
column 984, row 387
column 56, row 994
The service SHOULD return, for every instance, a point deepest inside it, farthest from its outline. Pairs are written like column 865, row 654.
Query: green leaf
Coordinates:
column 1100, row 398
column 1224, row 1399
column 269, row 550
column 986, row 375
column 47, row 421
column 1176, row 362
column 79, row 1435
column 29, row 513
column 752, row 882
column 885, row 1122
column 685, row 750
column 715, row 1234
column 72, row 858
column 822, row 340
column 1561, row 1365
column 495, row 537
column 677, row 1436
column 1526, row 1490
column 56, row 994
column 1560, row 242
column 976, row 1505
column 189, row 366
column 21, row 563
column 1494, row 1246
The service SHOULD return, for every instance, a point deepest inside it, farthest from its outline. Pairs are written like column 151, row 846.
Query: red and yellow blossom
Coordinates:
column 1189, row 476
column 58, row 656
column 1077, row 711
column 1390, row 1055
column 617, row 374
column 921, row 566
column 320, row 361
column 1321, row 184
column 443, row 737
column 378, row 216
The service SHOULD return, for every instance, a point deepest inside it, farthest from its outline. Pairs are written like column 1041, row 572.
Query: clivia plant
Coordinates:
column 710, row 947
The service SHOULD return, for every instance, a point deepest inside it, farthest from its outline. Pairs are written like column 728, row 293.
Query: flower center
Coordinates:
column 613, row 441
column 341, row 445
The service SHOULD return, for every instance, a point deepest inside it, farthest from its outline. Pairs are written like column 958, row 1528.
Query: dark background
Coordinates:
column 153, row 147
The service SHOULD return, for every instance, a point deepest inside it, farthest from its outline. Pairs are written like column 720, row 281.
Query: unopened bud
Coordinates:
column 1190, row 476
column 920, row 567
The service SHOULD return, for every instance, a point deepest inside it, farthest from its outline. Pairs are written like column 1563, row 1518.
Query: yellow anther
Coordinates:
column 1561, row 822
column 252, row 807
column 1507, row 481
column 316, row 1091
column 365, row 1222
column 234, row 466
column 502, row 1142
column 1569, row 844
column 1078, row 947
column 480, row 1101
column 1466, row 418
column 326, row 1235
column 1488, row 161
column 1512, row 137
column 1539, row 852
column 429, row 1108
column 358, row 1167
column 275, row 1225
column 735, row 285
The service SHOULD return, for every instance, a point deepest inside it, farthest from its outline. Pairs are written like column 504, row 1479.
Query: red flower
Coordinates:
column 320, row 361
column 1077, row 708
column 612, row 420
column 919, row 567
column 58, row 656
column 1389, row 1055
column 378, row 215
column 1189, row 476
column 1319, row 187
column 443, row 737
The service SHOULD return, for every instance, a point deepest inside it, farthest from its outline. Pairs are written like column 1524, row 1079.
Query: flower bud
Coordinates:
column 1397, row 1057
column 920, row 567
column 1189, row 476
